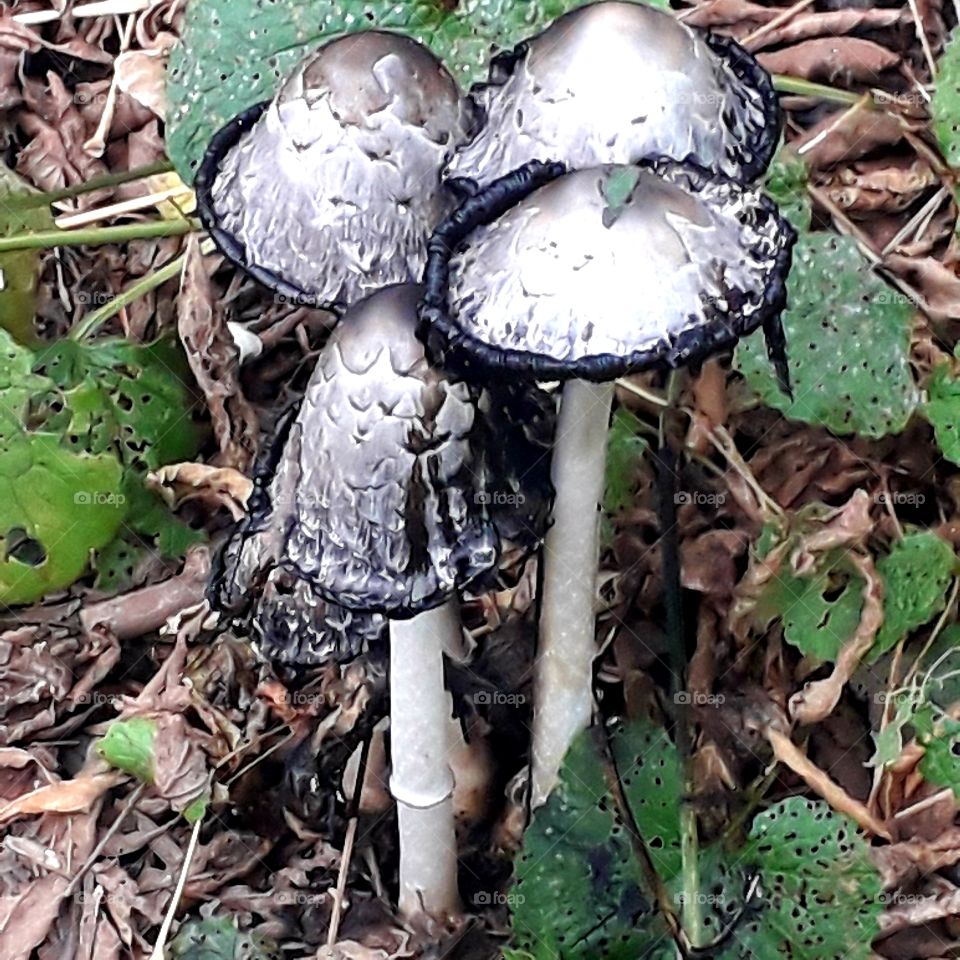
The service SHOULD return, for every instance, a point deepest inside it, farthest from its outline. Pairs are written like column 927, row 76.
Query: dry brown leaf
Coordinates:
column 67, row 796
column 830, row 23
column 817, row 780
column 213, row 357
column 833, row 60
column 216, row 487
column 881, row 186
column 142, row 75
column 847, row 135
column 938, row 284
column 179, row 764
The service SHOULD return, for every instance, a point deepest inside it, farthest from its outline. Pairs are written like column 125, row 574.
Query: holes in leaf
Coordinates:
column 21, row 547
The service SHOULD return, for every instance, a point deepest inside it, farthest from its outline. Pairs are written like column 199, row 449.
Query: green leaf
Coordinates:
column 625, row 451
column 916, row 575
column 941, row 759
column 945, row 108
column 942, row 409
column 821, row 611
column 128, row 746
column 786, row 183
column 234, row 53
column 22, row 210
column 803, row 886
column 218, row 938
column 820, row 889
column 848, row 343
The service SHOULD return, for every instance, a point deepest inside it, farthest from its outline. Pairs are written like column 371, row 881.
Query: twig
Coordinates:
column 159, row 946
column 807, row 88
column 751, row 38
column 72, row 220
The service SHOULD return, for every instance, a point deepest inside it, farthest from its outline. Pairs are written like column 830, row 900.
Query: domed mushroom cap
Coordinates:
column 330, row 191
column 603, row 271
column 377, row 479
column 620, row 83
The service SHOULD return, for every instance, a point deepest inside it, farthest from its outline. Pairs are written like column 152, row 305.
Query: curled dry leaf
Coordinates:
column 871, row 187
column 817, row 780
column 67, row 796
column 936, row 282
column 848, row 134
column 834, row 60
column 739, row 14
column 142, row 75
column 216, row 487
column 819, row 697
column 214, row 360
column 180, row 766
column 831, row 23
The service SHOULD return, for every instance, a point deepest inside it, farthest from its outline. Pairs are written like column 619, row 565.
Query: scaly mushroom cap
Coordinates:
column 620, row 83
column 598, row 272
column 373, row 500
column 330, row 191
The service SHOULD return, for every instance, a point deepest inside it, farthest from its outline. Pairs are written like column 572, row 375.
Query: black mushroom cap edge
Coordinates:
column 755, row 157
column 223, row 141
column 469, row 357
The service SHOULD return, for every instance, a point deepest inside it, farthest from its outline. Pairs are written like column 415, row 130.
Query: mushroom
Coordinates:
column 375, row 505
column 620, row 83
column 331, row 191
column 583, row 277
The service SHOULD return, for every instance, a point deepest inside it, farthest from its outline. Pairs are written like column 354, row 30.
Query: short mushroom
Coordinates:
column 330, row 191
column 375, row 505
column 583, row 277
column 617, row 82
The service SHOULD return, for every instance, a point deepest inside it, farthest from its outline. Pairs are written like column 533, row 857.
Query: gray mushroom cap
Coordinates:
column 330, row 191
column 603, row 271
column 619, row 82
column 373, row 501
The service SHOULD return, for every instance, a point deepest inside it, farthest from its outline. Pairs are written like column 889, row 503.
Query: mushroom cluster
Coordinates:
column 564, row 222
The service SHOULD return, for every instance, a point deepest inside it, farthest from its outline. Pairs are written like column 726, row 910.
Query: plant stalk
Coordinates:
column 563, row 673
column 95, row 236
column 93, row 321
column 94, row 183
column 421, row 781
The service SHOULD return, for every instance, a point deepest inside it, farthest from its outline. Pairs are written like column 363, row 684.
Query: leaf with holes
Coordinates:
column 819, row 611
column 942, row 409
column 218, row 938
column 801, row 887
column 56, row 505
column 945, row 108
column 22, row 210
column 848, row 344
column 818, row 890
column 234, row 53
column 916, row 574
column 786, row 182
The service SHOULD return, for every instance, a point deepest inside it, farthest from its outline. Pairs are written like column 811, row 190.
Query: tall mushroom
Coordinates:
column 616, row 82
column 330, row 191
column 583, row 277
column 374, row 504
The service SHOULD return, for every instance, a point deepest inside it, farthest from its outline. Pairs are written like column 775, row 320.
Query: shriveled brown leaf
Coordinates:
column 213, row 358
column 817, row 780
column 830, row 23
column 834, row 60
column 142, row 75
column 939, row 285
column 217, row 487
column 870, row 187
column 847, row 135
column 67, row 796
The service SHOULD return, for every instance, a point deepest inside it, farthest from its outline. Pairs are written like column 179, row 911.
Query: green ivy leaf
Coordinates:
column 803, row 885
column 848, row 343
column 234, row 53
column 916, row 575
column 218, row 938
column 786, row 183
column 22, row 210
column 945, row 108
column 942, row 409
column 128, row 746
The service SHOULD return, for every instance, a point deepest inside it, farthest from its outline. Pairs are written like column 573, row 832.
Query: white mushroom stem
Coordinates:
column 421, row 781
column 563, row 690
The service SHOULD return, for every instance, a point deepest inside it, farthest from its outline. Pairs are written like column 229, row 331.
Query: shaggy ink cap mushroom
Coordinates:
column 330, row 191
column 601, row 272
column 384, row 515
column 616, row 82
